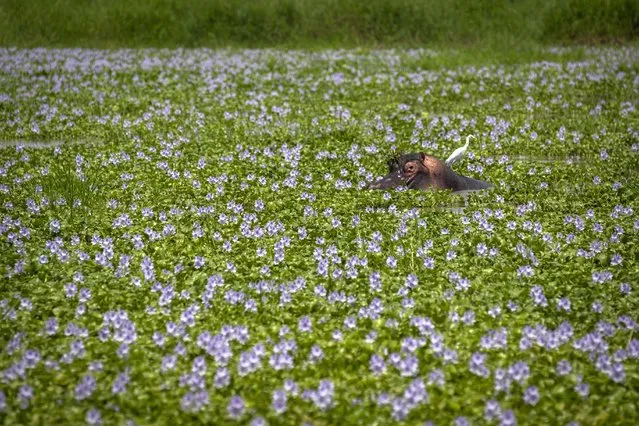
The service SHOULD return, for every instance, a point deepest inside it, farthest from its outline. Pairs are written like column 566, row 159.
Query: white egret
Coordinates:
column 458, row 153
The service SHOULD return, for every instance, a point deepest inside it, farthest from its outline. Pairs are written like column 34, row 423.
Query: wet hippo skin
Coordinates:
column 421, row 171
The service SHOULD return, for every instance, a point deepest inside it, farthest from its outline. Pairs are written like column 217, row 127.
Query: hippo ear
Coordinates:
column 393, row 164
column 422, row 156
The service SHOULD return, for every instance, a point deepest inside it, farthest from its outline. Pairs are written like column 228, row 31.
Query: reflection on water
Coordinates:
column 458, row 204
column 43, row 144
column 571, row 159
column 456, row 210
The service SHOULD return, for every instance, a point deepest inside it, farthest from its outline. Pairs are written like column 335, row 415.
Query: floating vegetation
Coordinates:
column 217, row 258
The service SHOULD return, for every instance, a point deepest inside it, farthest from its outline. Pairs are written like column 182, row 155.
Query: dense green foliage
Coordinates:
column 259, row 23
column 198, row 246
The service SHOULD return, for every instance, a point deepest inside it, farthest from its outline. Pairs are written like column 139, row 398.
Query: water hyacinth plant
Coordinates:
column 215, row 257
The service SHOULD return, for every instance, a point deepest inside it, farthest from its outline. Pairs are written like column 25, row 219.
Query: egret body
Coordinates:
column 459, row 152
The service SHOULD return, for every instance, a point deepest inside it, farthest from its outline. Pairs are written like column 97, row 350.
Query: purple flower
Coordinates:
column 531, row 395
column 436, row 377
column 476, row 365
column 537, row 294
column 563, row 367
column 411, row 281
column 583, row 389
column 25, row 394
column 323, row 396
column 508, row 418
column 316, row 354
column 31, row 358
column 194, row 401
column 400, row 408
column 258, row 421
column 450, row 356
column 248, row 363
column 408, row 366
column 279, row 401
column 84, row 389
column 429, row 262
column 502, row 380
column 492, row 410
column 377, row 365
column 305, row 324
column 337, row 335
column 494, row 339
column 462, row 421
column 383, row 399
column 222, row 378
column 235, row 407
column 375, row 281
column 168, row 363
column 616, row 259
column 597, row 307
column 291, row 387
column 198, row 262
column 469, row 317
column 563, row 304
column 54, row 226
column 93, row 417
column 525, row 271
column 415, row 393
column 601, row 277
column 147, row 269
column 494, row 311
column 120, row 383
column 520, row 371
column 281, row 361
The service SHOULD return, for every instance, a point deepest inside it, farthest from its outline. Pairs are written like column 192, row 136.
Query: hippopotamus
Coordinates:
column 421, row 171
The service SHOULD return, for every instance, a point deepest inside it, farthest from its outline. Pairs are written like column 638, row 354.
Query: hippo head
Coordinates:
column 421, row 171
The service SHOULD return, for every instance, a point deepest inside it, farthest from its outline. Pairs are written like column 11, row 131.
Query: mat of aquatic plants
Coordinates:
column 186, row 237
